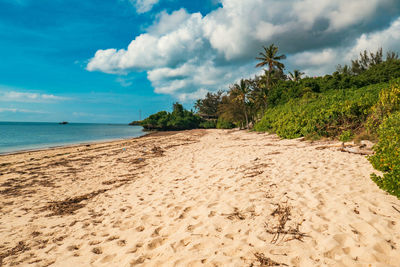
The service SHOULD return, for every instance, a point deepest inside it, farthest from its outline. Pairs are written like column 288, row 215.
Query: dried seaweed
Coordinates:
column 236, row 214
column 283, row 214
column 265, row 261
column 70, row 205
column 19, row 248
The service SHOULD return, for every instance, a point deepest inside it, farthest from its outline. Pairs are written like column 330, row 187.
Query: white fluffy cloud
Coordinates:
column 143, row 6
column 187, row 54
column 14, row 96
column 18, row 110
column 319, row 62
column 388, row 38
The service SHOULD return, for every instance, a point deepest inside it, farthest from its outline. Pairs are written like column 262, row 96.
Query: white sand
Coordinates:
column 206, row 200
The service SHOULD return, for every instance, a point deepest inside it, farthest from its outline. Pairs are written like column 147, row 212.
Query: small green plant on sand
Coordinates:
column 346, row 136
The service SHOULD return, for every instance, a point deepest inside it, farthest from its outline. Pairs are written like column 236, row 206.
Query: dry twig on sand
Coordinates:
column 283, row 213
column 396, row 209
column 236, row 214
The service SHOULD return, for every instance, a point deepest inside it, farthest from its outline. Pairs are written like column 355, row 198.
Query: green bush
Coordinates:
column 223, row 124
column 325, row 114
column 346, row 136
column 178, row 119
column 284, row 91
column 388, row 102
column 387, row 156
column 210, row 124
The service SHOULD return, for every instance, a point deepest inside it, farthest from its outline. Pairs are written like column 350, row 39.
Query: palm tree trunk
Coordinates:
column 264, row 107
column 245, row 115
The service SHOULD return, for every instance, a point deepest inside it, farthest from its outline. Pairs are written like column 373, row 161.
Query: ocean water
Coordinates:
column 16, row 136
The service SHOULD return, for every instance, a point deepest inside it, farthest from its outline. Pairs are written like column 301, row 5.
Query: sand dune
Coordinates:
column 195, row 198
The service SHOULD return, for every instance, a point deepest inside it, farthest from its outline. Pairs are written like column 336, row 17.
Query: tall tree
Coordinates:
column 296, row 75
column 209, row 105
column 271, row 58
column 366, row 61
column 391, row 55
column 241, row 92
column 259, row 92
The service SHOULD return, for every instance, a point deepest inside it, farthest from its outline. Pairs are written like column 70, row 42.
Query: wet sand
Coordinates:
column 195, row 198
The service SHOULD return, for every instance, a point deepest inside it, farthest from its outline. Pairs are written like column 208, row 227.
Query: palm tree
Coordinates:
column 240, row 92
column 270, row 58
column 259, row 93
column 296, row 75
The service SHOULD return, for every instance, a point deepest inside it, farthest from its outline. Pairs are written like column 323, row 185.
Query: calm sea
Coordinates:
column 15, row 136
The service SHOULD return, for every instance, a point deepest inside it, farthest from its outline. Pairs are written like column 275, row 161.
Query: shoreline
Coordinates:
column 68, row 145
column 195, row 197
column 105, row 141
column 146, row 134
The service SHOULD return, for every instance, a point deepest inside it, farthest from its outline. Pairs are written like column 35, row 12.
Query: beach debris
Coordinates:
column 355, row 150
column 253, row 173
column 274, row 153
column 158, row 151
column 19, row 248
column 137, row 161
column 396, row 209
column 236, row 214
column 265, row 261
column 362, row 149
column 391, row 243
column 283, row 212
column 70, row 205
column 97, row 250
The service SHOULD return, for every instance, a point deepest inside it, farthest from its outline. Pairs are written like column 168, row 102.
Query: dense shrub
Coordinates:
column 179, row 119
column 388, row 102
column 387, row 157
column 209, row 124
column 223, row 124
column 346, row 136
column 321, row 114
column 286, row 90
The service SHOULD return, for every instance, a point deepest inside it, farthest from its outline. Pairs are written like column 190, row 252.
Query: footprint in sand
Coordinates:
column 121, row 243
column 73, row 248
column 155, row 243
column 97, row 250
column 156, row 232
column 140, row 228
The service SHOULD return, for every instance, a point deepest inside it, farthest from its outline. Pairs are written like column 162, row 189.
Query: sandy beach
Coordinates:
column 195, row 198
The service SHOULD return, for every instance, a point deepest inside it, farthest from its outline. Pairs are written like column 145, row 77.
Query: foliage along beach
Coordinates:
column 360, row 101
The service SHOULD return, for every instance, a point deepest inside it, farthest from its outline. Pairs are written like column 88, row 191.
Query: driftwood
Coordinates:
column 396, row 209
column 349, row 149
column 356, row 151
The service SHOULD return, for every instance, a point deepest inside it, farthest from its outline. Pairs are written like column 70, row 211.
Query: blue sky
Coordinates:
column 103, row 61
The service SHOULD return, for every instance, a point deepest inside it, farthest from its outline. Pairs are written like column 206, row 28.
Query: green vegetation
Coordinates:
column 330, row 114
column 387, row 157
column 223, row 124
column 179, row 119
column 209, row 124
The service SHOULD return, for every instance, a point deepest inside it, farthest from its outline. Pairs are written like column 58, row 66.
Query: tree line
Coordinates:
column 245, row 102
